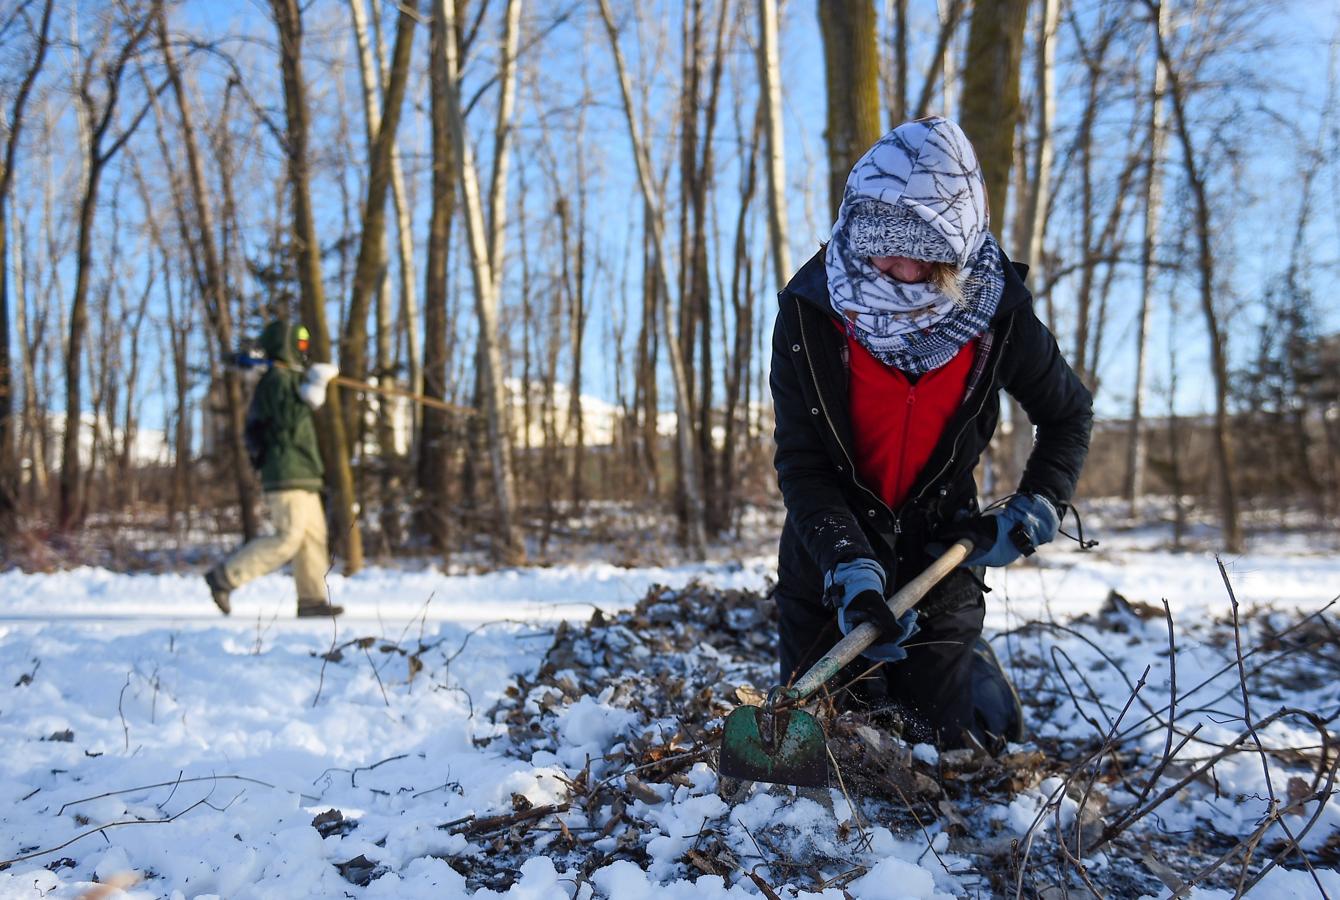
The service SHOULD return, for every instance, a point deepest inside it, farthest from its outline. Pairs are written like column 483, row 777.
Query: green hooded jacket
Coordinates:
column 281, row 431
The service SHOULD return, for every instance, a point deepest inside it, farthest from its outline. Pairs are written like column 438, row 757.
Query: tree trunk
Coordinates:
column 96, row 119
column 330, row 421
column 1035, row 205
column 509, row 549
column 409, row 305
column 71, row 511
column 647, row 398
column 990, row 108
column 32, row 414
column 742, row 306
column 990, row 113
column 435, row 435
column 370, row 269
column 9, row 455
column 941, row 67
column 370, row 76
column 702, row 292
column 897, row 15
column 1135, row 450
column 851, row 63
column 770, row 91
column 502, row 155
column 947, row 61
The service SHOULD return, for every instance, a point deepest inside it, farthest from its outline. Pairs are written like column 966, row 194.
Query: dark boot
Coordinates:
column 219, row 589
column 313, row 609
column 998, row 713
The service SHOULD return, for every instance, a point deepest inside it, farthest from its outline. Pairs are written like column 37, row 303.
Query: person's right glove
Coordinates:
column 856, row 588
column 999, row 537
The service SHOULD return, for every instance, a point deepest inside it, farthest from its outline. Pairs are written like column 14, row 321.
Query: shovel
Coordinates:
column 788, row 746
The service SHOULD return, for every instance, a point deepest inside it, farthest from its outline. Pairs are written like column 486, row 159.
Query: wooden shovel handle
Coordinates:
column 867, row 633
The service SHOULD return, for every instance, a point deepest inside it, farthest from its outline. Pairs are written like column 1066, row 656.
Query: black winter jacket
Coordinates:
column 831, row 517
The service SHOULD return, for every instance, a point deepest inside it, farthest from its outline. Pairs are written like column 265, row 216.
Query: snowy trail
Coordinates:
column 110, row 681
column 373, row 596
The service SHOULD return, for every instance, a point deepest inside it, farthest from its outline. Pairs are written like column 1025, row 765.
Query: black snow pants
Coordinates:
column 934, row 688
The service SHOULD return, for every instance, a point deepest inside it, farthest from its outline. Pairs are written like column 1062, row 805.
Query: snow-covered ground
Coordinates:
column 143, row 737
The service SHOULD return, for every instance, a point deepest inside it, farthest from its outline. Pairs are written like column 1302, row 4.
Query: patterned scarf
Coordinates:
column 927, row 166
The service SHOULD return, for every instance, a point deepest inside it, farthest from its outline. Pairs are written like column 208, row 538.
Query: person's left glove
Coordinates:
column 314, row 383
column 856, row 588
column 999, row 537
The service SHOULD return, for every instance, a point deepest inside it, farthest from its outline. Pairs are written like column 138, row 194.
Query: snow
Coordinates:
column 224, row 738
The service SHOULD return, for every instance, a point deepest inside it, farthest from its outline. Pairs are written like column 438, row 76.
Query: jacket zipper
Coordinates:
column 902, row 443
column 814, row 377
column 953, row 448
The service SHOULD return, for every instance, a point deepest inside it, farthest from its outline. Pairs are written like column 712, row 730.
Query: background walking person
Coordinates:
column 282, row 445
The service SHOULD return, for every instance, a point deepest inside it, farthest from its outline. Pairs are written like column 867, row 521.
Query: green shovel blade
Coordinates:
column 782, row 747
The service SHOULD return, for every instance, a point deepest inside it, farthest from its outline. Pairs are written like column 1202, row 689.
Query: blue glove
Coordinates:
column 856, row 588
column 1003, row 535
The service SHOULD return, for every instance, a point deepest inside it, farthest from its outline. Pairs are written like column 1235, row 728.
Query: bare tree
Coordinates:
column 1031, row 233
column 895, row 11
column 942, row 69
column 330, row 419
column 1034, row 205
column 770, row 92
column 509, row 547
column 435, row 430
column 9, row 457
column 1205, row 264
column 409, row 305
column 694, row 522
column 991, row 92
column 213, row 286
column 1136, row 452
column 370, row 279
column 102, row 143
column 370, row 269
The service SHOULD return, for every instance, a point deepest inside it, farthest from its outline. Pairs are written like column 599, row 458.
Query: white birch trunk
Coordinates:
column 512, row 551
column 770, row 86
column 1044, row 150
column 948, row 63
column 1135, row 451
column 497, row 221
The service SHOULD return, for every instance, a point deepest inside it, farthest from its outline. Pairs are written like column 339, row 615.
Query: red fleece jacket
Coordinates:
column 896, row 423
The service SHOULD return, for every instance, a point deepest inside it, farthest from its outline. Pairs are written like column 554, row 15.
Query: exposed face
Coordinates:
column 902, row 268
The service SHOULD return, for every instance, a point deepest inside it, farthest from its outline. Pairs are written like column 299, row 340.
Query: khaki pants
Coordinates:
column 300, row 536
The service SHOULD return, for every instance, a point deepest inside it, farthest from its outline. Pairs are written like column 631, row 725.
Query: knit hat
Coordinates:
column 876, row 228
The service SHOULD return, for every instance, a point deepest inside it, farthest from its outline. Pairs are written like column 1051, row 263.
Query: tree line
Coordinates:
column 508, row 207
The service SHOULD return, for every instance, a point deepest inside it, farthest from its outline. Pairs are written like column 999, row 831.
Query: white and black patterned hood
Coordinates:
column 917, row 193
column 928, row 167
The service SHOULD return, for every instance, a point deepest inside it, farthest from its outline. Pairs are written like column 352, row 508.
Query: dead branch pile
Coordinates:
column 683, row 659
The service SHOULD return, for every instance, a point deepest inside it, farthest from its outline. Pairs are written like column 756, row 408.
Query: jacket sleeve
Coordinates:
column 1059, row 406
column 810, row 489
